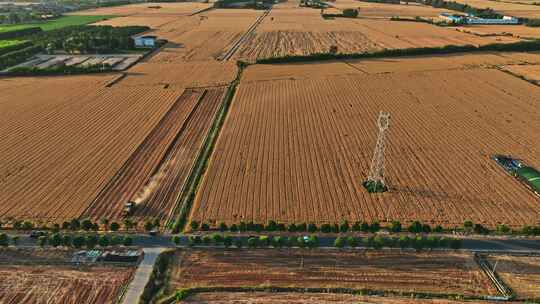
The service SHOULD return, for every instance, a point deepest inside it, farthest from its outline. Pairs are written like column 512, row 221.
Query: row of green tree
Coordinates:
column 85, row 39
column 343, row 227
column 312, row 241
column 418, row 242
column 61, row 69
column 77, row 241
column 85, row 225
column 217, row 239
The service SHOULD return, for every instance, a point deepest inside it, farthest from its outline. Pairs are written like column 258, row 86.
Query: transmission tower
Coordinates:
column 375, row 181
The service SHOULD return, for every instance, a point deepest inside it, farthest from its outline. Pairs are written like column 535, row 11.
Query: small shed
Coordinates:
column 145, row 41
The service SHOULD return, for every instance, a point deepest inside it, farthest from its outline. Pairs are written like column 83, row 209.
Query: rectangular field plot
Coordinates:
column 302, row 31
column 306, row 298
column 29, row 284
column 389, row 271
column 63, row 138
column 155, row 173
column 298, row 151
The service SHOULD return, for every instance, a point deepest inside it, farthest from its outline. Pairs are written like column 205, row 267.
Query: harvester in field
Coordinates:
column 129, row 208
column 526, row 174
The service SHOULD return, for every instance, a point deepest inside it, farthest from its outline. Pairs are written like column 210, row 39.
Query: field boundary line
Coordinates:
column 232, row 50
column 331, row 290
column 201, row 11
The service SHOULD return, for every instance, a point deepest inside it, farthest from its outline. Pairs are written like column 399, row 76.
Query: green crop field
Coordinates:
column 6, row 43
column 56, row 23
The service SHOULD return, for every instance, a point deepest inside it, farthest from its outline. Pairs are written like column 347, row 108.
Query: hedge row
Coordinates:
column 254, row 242
column 418, row 242
column 19, row 56
column 15, row 47
column 55, row 70
column 19, row 33
column 312, row 241
column 521, row 46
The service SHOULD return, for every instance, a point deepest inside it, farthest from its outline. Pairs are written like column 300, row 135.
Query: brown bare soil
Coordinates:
column 27, row 255
column 390, row 271
column 521, row 273
column 62, row 284
column 307, row 298
column 298, row 151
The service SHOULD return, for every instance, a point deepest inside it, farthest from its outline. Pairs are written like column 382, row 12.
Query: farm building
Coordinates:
column 145, row 41
column 469, row 19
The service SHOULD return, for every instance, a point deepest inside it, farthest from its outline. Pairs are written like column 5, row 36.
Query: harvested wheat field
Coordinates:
column 390, row 271
column 521, row 273
column 181, row 75
column 505, row 8
column 329, row 69
column 307, row 298
column 298, row 151
column 384, row 10
column 149, row 9
column 205, row 36
column 155, row 173
column 64, row 138
column 302, row 31
column 64, row 284
column 528, row 72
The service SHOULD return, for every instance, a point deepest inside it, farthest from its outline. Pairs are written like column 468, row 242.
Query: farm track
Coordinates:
column 231, row 51
column 142, row 164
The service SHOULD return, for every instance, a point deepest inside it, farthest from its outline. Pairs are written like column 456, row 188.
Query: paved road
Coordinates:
column 142, row 275
column 474, row 243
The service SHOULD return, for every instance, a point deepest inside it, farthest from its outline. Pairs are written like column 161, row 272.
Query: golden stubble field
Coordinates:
column 298, row 150
column 291, row 30
column 506, row 8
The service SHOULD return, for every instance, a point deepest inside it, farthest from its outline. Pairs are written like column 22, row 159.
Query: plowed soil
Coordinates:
column 298, row 151
column 407, row 272
column 62, row 284
column 307, row 298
